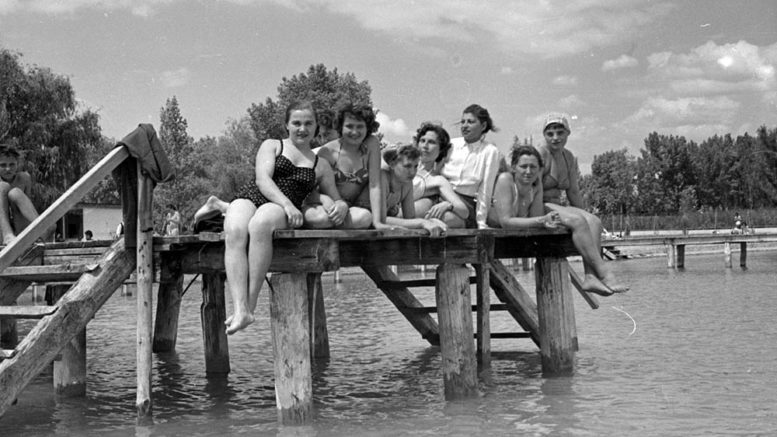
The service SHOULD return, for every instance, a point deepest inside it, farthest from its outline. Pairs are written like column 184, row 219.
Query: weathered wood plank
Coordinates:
column 76, row 309
column 459, row 364
column 69, row 367
column 27, row 311
column 213, row 314
column 168, row 305
column 555, row 308
column 10, row 290
column 577, row 282
column 520, row 304
column 319, row 335
column 405, row 302
column 48, row 273
column 483, row 316
column 68, row 200
column 145, row 285
column 291, row 348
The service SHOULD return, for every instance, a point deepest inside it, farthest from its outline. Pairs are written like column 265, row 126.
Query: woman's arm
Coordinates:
column 326, row 182
column 377, row 199
column 408, row 220
column 451, row 201
column 488, row 179
column 504, row 196
column 265, row 168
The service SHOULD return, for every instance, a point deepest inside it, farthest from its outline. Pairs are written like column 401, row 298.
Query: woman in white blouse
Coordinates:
column 472, row 166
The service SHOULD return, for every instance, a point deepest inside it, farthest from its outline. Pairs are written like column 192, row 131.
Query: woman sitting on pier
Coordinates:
column 560, row 176
column 397, row 187
column 286, row 172
column 472, row 166
column 433, row 194
column 355, row 161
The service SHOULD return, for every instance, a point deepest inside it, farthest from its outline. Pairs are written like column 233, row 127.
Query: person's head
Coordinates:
column 9, row 161
column 403, row 161
column 525, row 164
column 171, row 207
column 433, row 141
column 556, row 130
column 301, row 121
column 355, row 122
column 88, row 235
column 475, row 122
column 326, row 127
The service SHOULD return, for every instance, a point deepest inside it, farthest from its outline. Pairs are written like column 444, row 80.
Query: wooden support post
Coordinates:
column 743, row 255
column 291, row 348
column 670, row 255
column 680, row 256
column 70, row 366
column 213, row 313
column 145, row 283
column 483, row 319
column 168, row 304
column 727, row 254
column 555, row 308
column 454, row 312
column 319, row 336
column 526, row 264
column 336, row 276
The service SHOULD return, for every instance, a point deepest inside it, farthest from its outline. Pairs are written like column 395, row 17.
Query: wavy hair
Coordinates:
column 442, row 137
column 360, row 112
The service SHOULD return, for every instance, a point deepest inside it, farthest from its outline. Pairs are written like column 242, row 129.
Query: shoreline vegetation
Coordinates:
column 713, row 219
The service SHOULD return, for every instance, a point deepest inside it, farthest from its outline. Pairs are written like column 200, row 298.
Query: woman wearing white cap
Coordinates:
column 560, row 175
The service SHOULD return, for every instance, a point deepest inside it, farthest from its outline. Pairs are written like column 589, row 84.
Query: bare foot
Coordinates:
column 238, row 322
column 213, row 206
column 7, row 239
column 613, row 284
column 592, row 284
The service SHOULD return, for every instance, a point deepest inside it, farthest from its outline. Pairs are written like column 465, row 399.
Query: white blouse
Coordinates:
column 472, row 170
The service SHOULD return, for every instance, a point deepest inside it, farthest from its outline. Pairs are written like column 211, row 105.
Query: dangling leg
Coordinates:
column 267, row 219
column 601, row 268
column 238, row 215
column 6, row 230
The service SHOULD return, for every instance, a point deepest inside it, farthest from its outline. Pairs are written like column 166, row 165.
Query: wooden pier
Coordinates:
column 298, row 320
column 675, row 245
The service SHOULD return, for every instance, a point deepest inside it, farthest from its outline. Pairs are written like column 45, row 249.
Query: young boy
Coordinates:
column 16, row 208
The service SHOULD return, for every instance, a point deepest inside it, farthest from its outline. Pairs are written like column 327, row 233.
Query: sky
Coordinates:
column 620, row 69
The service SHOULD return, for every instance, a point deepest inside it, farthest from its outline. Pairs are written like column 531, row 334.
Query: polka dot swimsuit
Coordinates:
column 294, row 182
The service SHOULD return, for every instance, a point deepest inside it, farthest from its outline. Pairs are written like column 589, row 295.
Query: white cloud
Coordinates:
column 176, row 78
column 570, row 102
column 517, row 27
column 691, row 116
column 396, row 128
column 565, row 80
column 623, row 61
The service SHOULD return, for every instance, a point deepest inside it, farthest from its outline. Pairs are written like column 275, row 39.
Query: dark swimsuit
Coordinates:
column 294, row 182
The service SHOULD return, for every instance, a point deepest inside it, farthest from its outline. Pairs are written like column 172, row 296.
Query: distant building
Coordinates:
column 101, row 219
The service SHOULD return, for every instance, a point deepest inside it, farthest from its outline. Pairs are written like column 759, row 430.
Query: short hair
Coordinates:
column 442, row 137
column 524, row 150
column 360, row 112
column 171, row 206
column 410, row 151
column 88, row 233
column 9, row 150
column 326, row 118
column 482, row 115
column 301, row 105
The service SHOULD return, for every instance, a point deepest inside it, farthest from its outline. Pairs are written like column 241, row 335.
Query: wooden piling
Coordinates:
column 526, row 264
column 168, row 305
column 670, row 256
column 69, row 368
column 291, row 348
column 555, row 308
column 454, row 314
column 483, row 319
column 680, row 256
column 319, row 336
column 145, row 282
column 213, row 314
column 727, row 254
column 743, row 255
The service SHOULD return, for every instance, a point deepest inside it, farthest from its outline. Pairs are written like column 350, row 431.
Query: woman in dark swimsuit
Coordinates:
column 355, row 160
column 286, row 172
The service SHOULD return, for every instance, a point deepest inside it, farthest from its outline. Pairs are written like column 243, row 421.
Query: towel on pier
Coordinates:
column 143, row 145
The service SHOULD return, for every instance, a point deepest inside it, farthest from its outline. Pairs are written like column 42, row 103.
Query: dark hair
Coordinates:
column 171, row 206
column 482, row 115
column 326, row 118
column 88, row 233
column 410, row 151
column 301, row 105
column 519, row 151
column 9, row 150
column 442, row 137
column 360, row 112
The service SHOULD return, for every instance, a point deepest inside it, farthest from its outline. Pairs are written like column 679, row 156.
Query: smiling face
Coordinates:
column 556, row 136
column 471, row 128
column 404, row 168
column 8, row 167
column 429, row 145
column 527, row 169
column 301, row 126
column 354, row 130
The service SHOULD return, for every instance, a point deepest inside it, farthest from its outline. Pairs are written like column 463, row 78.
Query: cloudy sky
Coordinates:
column 620, row 68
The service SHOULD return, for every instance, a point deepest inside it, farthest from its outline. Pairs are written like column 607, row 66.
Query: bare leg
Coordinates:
column 6, row 230
column 236, row 221
column 598, row 279
column 357, row 218
column 267, row 219
column 422, row 206
column 211, row 205
column 315, row 214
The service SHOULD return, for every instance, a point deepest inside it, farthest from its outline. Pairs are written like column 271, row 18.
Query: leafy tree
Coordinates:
column 39, row 113
column 612, row 189
column 230, row 157
column 326, row 89
column 663, row 171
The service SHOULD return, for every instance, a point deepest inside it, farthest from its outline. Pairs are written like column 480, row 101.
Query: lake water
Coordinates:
column 684, row 353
